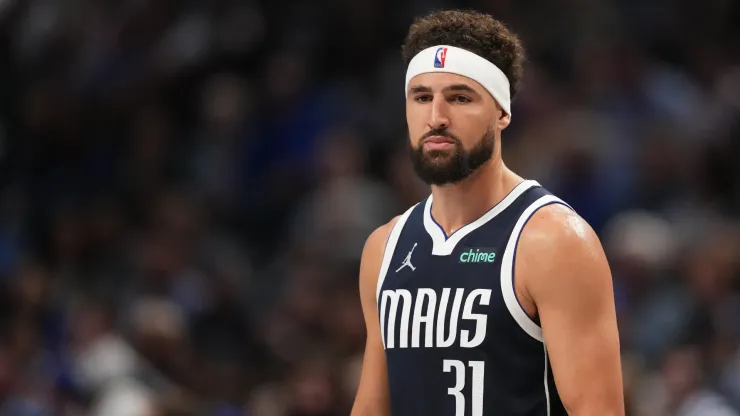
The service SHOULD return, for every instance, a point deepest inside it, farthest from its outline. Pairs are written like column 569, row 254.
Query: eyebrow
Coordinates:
column 416, row 89
column 460, row 87
column 419, row 89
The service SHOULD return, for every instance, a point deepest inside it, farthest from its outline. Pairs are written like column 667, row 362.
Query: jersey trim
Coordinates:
column 507, row 268
column 547, row 384
column 390, row 248
column 443, row 245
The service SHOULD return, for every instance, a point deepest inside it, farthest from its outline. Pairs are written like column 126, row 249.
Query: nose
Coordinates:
column 439, row 117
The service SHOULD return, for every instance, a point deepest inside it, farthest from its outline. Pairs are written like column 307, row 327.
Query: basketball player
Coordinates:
column 490, row 297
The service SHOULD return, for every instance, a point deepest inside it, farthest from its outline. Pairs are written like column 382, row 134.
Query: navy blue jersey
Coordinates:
column 457, row 341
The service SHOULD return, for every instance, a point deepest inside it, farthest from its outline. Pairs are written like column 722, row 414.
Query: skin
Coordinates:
column 372, row 393
column 562, row 275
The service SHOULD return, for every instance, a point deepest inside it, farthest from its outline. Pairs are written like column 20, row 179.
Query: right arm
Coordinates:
column 372, row 394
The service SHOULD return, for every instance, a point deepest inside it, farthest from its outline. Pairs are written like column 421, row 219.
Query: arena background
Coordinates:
column 186, row 187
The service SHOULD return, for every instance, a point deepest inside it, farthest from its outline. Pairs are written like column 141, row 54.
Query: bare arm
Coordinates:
column 372, row 394
column 566, row 277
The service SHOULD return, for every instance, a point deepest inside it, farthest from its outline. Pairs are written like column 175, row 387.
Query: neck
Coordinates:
column 456, row 205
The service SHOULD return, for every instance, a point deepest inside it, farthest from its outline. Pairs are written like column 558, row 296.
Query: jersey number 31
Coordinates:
column 478, row 368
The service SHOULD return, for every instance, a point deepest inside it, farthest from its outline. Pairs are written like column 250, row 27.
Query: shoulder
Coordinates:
column 375, row 243
column 558, row 227
column 558, row 247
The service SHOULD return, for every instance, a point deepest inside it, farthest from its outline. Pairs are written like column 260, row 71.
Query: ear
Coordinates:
column 503, row 121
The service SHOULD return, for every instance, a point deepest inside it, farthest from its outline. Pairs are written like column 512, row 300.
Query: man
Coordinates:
column 490, row 297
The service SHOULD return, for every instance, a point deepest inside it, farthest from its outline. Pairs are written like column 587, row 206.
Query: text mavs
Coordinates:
column 436, row 307
column 445, row 337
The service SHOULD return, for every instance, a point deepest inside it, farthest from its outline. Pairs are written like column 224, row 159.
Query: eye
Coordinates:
column 423, row 99
column 462, row 99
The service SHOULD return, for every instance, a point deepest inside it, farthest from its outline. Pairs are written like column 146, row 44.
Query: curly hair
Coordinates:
column 473, row 31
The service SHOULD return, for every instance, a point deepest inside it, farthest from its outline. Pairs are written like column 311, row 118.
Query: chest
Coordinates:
column 471, row 262
column 432, row 301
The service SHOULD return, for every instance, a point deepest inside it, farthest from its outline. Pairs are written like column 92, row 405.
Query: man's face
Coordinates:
column 452, row 123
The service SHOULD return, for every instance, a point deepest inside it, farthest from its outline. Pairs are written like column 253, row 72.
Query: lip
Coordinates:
column 438, row 140
column 438, row 143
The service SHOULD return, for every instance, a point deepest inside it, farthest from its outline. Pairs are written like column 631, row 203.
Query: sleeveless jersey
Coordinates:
column 457, row 341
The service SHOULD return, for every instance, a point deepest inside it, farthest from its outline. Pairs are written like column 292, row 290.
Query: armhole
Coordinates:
column 390, row 248
column 507, row 268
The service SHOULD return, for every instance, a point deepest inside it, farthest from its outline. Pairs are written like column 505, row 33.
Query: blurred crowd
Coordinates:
column 187, row 185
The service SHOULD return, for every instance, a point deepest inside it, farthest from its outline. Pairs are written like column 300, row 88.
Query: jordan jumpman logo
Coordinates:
column 407, row 260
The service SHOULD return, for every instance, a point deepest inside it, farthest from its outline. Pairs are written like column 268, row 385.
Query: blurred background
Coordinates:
column 187, row 185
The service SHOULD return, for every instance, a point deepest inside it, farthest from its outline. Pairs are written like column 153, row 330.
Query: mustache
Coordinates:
column 440, row 132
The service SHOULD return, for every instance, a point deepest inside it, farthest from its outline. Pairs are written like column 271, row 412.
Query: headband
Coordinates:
column 459, row 61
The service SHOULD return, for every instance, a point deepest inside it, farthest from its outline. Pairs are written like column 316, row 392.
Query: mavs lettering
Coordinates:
column 429, row 324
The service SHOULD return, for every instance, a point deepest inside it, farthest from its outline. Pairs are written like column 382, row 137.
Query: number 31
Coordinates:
column 477, row 388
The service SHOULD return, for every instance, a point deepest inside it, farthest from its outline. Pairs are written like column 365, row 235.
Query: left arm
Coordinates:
column 566, row 278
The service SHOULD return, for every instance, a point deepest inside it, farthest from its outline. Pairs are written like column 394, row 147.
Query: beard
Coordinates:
column 442, row 167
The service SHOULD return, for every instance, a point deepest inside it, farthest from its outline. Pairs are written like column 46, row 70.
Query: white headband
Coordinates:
column 454, row 60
